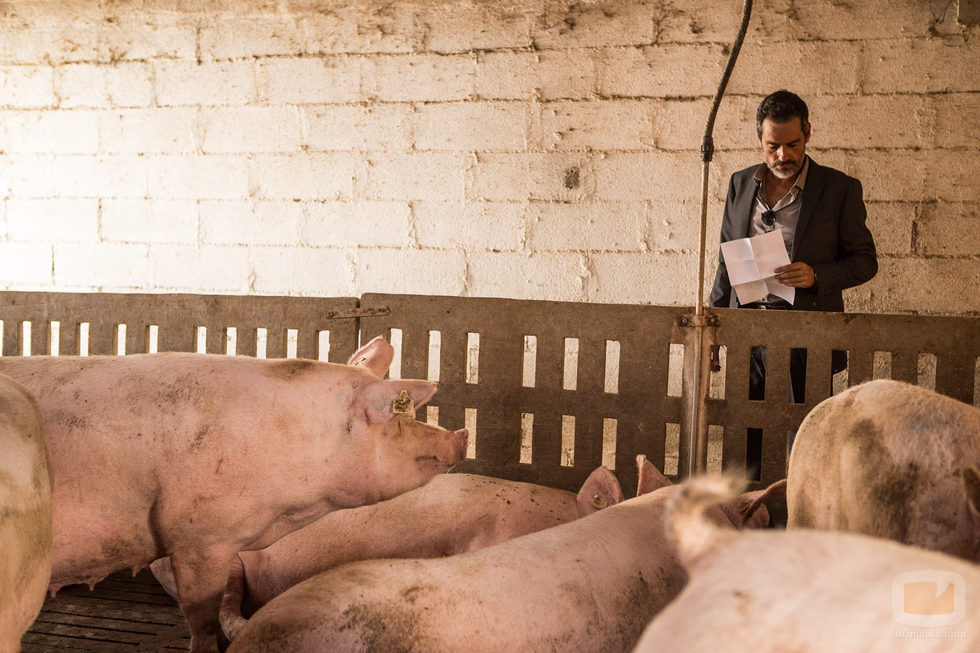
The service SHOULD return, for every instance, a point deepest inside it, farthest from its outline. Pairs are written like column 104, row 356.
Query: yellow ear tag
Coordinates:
column 599, row 502
column 403, row 404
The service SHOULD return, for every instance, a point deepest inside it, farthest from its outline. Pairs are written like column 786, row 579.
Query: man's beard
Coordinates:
column 785, row 172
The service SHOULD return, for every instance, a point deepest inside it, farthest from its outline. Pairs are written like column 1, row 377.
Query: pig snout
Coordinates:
column 453, row 448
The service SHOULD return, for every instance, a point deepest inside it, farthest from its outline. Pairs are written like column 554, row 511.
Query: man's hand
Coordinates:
column 796, row 275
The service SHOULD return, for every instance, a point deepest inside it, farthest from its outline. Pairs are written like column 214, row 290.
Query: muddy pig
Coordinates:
column 588, row 585
column 25, row 514
column 198, row 457
column 892, row 460
column 811, row 591
column 453, row 513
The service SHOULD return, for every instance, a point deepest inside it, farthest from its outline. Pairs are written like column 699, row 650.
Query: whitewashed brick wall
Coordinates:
column 515, row 148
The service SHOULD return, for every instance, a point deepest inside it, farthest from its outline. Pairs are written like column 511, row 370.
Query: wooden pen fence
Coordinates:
column 549, row 390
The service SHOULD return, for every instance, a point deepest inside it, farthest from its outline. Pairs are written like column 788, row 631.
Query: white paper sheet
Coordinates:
column 750, row 263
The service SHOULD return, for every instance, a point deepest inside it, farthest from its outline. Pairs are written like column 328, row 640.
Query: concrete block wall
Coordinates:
column 541, row 149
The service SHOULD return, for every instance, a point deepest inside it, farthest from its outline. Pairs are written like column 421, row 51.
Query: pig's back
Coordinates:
column 25, row 513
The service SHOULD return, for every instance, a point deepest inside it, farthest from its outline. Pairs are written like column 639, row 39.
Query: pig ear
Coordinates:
column 649, row 477
column 376, row 357
column 600, row 490
column 381, row 401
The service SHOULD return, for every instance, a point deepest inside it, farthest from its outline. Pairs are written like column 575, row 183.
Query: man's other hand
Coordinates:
column 796, row 275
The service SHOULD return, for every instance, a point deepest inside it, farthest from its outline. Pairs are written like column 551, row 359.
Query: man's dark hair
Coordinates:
column 782, row 106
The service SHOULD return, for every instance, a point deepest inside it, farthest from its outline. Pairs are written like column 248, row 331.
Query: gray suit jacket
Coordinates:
column 831, row 236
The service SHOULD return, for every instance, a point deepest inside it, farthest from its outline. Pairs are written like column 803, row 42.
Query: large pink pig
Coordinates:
column 588, row 585
column 25, row 514
column 810, row 591
column 891, row 460
column 199, row 457
column 453, row 513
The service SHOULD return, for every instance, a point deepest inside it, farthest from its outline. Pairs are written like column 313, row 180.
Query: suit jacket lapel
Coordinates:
column 745, row 200
column 815, row 183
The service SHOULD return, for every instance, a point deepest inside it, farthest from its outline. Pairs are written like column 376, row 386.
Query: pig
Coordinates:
column 811, row 591
column 892, row 460
column 453, row 513
column 587, row 585
column 25, row 513
column 198, row 457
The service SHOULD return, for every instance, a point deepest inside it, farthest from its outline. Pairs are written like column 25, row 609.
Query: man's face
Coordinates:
column 784, row 144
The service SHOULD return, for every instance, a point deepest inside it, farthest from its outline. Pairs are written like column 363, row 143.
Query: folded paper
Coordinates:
column 751, row 263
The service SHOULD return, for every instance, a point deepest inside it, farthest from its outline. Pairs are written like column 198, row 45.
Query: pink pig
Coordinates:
column 453, row 513
column 892, row 460
column 811, row 591
column 588, row 585
column 25, row 514
column 198, row 457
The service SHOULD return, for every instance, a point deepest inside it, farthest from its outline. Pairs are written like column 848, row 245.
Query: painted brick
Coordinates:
column 945, row 175
column 250, row 129
column 652, row 176
column 473, row 25
column 303, row 176
column 205, row 269
column 472, row 126
column 302, row 271
column 136, row 36
column 238, row 37
column 181, row 82
column 953, row 110
column 887, row 121
column 917, row 66
column 251, row 223
column 592, row 226
column 25, row 264
column 50, row 220
column 470, row 225
column 364, row 223
column 55, row 132
column 676, row 226
column 498, row 177
column 668, row 279
column 505, row 75
column 363, row 28
column 198, row 177
column 417, row 176
column 27, row 87
column 594, row 125
column 662, row 71
column 831, row 66
column 874, row 19
column 405, row 270
column 24, row 40
column 419, row 78
column 578, row 25
column 891, row 224
column 563, row 176
column 527, row 276
column 309, row 80
column 102, row 266
column 48, row 176
column 80, row 85
column 891, row 290
column 565, row 74
column 948, row 229
column 148, row 131
column 128, row 84
column 362, row 127
column 150, row 221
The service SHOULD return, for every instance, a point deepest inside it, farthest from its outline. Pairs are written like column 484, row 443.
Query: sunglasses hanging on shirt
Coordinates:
column 769, row 219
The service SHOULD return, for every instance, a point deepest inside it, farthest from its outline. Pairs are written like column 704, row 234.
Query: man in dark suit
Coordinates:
column 820, row 214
